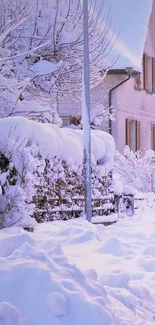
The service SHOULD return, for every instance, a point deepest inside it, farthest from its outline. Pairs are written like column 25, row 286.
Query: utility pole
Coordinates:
column 86, row 114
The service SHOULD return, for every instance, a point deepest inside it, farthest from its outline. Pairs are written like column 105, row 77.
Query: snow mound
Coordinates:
column 57, row 304
column 119, row 280
column 9, row 315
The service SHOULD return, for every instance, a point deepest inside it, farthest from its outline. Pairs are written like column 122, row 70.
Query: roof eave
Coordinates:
column 122, row 72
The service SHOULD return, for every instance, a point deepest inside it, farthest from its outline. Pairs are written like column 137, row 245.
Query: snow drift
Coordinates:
column 43, row 287
column 73, row 272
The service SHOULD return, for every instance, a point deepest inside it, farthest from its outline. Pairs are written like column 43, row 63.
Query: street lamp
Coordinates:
column 86, row 114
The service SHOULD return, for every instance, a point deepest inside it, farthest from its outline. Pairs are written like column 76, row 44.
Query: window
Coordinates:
column 133, row 134
column 150, row 78
column 153, row 137
column 65, row 121
column 149, row 73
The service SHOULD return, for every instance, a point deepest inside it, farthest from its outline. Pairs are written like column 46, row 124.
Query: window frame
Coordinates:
column 137, row 134
column 148, row 77
column 153, row 136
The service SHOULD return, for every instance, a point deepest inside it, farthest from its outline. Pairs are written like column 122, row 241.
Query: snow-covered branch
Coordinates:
column 41, row 50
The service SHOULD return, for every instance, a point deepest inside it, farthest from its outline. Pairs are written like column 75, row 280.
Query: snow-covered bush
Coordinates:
column 41, row 170
column 15, row 189
column 136, row 169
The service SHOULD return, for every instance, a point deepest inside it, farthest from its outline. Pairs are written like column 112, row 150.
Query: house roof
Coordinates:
column 130, row 20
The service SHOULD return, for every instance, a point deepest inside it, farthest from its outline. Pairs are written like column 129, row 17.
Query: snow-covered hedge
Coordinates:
column 41, row 167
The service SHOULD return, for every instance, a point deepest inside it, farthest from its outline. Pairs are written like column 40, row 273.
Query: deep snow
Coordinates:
column 77, row 273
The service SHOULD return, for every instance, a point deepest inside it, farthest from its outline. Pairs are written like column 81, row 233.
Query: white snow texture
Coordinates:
column 64, row 143
column 77, row 273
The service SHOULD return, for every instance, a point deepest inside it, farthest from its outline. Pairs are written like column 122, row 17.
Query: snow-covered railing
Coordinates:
column 100, row 206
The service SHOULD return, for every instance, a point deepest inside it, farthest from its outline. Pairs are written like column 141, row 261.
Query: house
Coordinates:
column 135, row 100
column 129, row 91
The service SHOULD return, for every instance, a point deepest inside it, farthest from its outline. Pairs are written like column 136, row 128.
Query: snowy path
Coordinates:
column 73, row 272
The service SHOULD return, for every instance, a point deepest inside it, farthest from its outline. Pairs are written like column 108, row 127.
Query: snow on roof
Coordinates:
column 130, row 19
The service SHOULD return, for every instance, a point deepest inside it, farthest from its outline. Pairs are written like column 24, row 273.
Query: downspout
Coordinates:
column 110, row 99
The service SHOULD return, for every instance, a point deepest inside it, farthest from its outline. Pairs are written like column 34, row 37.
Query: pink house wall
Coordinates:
column 136, row 104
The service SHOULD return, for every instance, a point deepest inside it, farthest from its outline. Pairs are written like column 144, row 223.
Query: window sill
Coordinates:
column 149, row 92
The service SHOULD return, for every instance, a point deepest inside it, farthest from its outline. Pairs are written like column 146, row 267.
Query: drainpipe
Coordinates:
column 129, row 72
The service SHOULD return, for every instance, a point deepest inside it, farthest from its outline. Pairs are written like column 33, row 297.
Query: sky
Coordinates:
column 130, row 20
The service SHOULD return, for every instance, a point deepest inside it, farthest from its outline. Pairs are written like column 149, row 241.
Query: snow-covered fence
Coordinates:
column 72, row 209
column 43, row 172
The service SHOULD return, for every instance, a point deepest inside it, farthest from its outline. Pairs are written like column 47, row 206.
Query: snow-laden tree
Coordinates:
column 136, row 169
column 42, row 48
column 13, row 17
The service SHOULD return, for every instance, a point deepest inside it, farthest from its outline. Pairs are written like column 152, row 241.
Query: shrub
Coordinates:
column 136, row 168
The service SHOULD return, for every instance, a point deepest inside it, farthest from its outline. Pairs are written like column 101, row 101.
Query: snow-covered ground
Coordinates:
column 77, row 273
